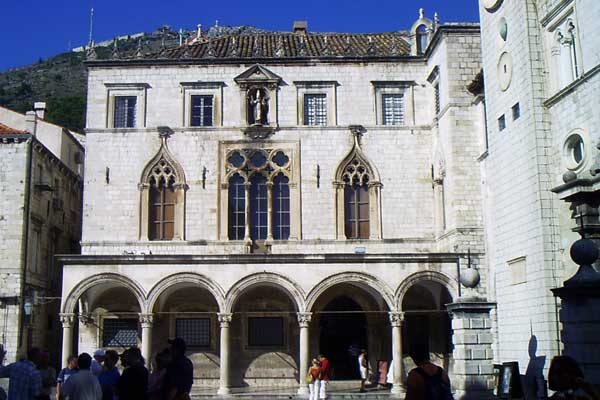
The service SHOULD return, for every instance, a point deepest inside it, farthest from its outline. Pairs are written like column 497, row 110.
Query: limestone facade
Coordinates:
column 42, row 187
column 540, row 61
column 317, row 283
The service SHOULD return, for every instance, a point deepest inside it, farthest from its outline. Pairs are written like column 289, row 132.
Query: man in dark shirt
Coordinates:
column 133, row 383
column 180, row 372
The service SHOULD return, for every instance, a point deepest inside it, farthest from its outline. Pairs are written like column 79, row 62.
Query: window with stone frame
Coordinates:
column 357, row 190
column 392, row 107
column 125, row 111
column 260, row 177
column 265, row 332
column 119, row 332
column 195, row 331
column 315, row 109
column 163, row 198
column 201, row 110
column 565, row 55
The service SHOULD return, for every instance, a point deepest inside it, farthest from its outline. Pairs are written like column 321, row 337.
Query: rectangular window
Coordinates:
column 281, row 208
column 265, row 332
column 195, row 331
column 516, row 111
column 124, row 116
column 315, row 109
column 393, row 108
column 237, row 208
column 437, row 98
column 502, row 123
column 37, row 242
column 120, row 332
column 202, row 110
column 258, row 208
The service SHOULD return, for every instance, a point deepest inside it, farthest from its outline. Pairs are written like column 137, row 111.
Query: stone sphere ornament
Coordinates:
column 470, row 278
column 569, row 176
column 584, row 252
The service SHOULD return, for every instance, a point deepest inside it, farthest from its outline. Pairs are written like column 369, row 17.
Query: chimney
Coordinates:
column 300, row 27
column 30, row 122
column 40, row 109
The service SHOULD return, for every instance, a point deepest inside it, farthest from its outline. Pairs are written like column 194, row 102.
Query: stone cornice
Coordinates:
column 345, row 258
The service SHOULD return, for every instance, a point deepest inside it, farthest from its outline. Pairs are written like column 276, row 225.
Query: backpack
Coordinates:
column 435, row 386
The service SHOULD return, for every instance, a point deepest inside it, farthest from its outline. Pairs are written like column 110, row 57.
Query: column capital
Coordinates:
column 67, row 319
column 396, row 318
column 146, row 320
column 224, row 319
column 304, row 319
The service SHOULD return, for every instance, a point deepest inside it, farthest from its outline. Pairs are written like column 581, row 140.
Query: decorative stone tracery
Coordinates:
column 163, row 173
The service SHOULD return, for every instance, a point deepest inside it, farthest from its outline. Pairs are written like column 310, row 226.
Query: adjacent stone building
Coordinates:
column 541, row 63
column 271, row 196
column 41, row 186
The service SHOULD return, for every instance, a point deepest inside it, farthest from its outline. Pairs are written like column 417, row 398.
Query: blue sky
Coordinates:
column 41, row 28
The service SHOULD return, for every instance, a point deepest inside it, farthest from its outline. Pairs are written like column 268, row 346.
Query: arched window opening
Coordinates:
column 281, row 207
column 237, row 208
column 162, row 202
column 573, row 48
column 421, row 38
column 356, row 201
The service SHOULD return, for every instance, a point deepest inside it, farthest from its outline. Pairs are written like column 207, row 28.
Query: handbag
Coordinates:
column 309, row 378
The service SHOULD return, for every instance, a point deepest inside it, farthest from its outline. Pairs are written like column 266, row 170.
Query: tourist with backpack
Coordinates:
column 427, row 381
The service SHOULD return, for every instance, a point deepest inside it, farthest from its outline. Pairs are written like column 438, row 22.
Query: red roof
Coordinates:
column 7, row 130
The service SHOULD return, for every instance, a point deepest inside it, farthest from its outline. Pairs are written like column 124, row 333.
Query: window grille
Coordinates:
column 120, row 332
column 393, row 109
column 202, row 110
column 265, row 331
column 281, row 208
column 237, row 207
column 124, row 116
column 315, row 109
column 195, row 331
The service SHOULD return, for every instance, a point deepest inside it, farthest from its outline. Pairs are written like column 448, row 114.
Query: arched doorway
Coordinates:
column 343, row 332
column 427, row 323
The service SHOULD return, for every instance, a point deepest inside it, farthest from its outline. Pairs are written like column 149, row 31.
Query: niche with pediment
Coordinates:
column 258, row 88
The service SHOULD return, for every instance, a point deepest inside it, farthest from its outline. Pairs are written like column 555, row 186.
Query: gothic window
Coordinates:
column 261, row 179
column 163, row 194
column 315, row 109
column 162, row 202
column 124, row 111
column 393, row 108
column 202, row 110
column 565, row 52
column 357, row 193
column 421, row 39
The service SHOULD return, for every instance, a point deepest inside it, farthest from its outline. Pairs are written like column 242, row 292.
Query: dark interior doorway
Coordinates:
column 342, row 335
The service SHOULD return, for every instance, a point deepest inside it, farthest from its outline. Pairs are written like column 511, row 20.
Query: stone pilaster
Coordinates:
column 473, row 357
column 304, row 323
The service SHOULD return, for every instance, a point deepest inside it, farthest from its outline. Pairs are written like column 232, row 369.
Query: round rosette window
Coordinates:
column 574, row 151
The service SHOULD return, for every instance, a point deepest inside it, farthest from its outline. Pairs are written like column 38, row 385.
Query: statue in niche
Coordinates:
column 258, row 108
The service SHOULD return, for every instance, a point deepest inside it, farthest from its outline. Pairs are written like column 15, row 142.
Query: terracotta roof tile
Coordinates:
column 291, row 45
column 7, row 130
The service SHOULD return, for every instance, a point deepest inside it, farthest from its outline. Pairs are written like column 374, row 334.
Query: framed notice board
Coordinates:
column 508, row 381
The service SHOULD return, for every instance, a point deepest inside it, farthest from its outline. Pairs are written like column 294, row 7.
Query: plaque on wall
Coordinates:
column 505, row 66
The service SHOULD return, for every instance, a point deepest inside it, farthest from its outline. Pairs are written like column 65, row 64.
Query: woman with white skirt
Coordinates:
column 313, row 378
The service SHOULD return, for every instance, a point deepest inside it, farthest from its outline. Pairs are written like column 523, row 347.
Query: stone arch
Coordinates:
column 367, row 281
column 438, row 277
column 356, row 153
column 185, row 277
column 164, row 153
column 99, row 279
column 294, row 291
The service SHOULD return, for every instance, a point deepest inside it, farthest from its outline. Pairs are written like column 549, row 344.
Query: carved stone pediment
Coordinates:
column 258, row 75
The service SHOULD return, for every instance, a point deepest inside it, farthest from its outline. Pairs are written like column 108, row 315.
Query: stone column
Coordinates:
column 247, row 238
column 224, row 321
column 472, row 338
column 146, row 321
column 396, row 321
column 67, row 320
column 304, row 322
column 269, row 212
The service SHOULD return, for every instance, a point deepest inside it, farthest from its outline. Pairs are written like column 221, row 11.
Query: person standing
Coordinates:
column 97, row 362
column 325, row 372
column 180, row 372
column 48, row 374
column 83, row 385
column 65, row 373
column 156, row 380
column 427, row 381
column 25, row 381
column 133, row 384
column 363, row 367
column 313, row 379
column 109, row 376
